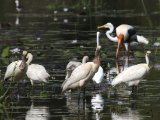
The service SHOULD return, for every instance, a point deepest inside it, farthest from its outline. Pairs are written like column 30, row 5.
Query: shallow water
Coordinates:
column 56, row 32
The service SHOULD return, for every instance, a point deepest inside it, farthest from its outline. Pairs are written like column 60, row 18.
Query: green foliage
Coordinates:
column 139, row 54
column 103, row 56
column 5, row 52
column 67, row 54
column 43, row 94
column 158, row 38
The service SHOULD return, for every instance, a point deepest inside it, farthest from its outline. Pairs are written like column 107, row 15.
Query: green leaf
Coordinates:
column 5, row 52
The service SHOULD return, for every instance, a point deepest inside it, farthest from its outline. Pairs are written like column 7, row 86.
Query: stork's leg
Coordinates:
column 120, row 41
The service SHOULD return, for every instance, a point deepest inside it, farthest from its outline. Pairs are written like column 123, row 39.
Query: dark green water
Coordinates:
column 59, row 24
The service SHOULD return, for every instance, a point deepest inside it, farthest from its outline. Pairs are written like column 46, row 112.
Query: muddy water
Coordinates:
column 55, row 32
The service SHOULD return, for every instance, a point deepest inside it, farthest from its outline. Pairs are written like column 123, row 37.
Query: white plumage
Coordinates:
column 83, row 73
column 37, row 113
column 17, row 69
column 80, row 76
column 73, row 64
column 123, row 29
column 98, row 77
column 132, row 73
column 133, row 83
column 97, row 105
column 125, row 34
column 36, row 72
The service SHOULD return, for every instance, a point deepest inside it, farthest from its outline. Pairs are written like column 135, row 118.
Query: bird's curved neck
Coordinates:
column 30, row 57
column 147, row 59
column 108, row 34
column 85, row 59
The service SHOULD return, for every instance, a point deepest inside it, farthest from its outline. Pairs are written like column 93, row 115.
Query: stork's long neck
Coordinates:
column 114, row 39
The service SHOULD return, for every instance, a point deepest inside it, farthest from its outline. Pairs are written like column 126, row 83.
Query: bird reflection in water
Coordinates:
column 97, row 104
column 37, row 113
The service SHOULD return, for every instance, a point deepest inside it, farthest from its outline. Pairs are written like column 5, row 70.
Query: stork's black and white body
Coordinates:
column 125, row 35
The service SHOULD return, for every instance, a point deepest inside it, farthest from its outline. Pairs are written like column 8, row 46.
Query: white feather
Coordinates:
column 134, row 72
column 98, row 77
column 142, row 39
column 13, row 70
column 38, row 73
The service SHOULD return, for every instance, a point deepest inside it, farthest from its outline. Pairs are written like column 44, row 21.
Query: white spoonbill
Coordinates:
column 36, row 72
column 17, row 69
column 132, row 73
column 73, row 65
column 83, row 73
column 125, row 34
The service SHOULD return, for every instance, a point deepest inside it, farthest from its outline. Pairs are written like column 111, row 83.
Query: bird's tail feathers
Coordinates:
column 142, row 39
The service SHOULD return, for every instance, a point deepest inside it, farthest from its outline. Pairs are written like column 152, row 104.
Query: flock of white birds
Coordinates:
column 79, row 74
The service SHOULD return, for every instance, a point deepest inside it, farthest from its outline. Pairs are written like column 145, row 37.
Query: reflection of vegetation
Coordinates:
column 43, row 94
column 118, row 108
column 4, row 102
column 103, row 56
column 138, row 54
column 67, row 54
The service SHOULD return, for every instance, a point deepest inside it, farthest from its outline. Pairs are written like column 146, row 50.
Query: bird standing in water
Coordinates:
column 125, row 35
column 17, row 69
column 36, row 72
column 99, row 75
column 73, row 65
column 83, row 74
column 15, row 72
column 133, row 73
